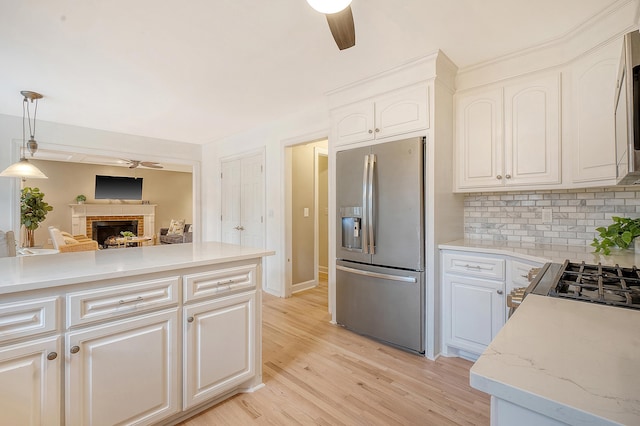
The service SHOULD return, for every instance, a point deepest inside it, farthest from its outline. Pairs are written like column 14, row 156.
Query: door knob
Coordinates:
column 52, row 355
column 74, row 349
column 499, row 291
column 370, row 131
column 190, row 319
column 499, row 177
column 508, row 176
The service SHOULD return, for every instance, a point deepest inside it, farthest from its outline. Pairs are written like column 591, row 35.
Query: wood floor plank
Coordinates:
column 317, row 373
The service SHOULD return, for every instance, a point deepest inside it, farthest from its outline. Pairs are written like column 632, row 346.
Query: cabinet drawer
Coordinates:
column 212, row 283
column 23, row 319
column 476, row 266
column 94, row 305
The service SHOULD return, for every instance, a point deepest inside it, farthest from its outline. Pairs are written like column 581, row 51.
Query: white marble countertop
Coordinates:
column 37, row 272
column 574, row 361
column 546, row 252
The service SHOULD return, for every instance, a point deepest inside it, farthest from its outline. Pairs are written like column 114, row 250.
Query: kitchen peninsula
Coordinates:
column 143, row 335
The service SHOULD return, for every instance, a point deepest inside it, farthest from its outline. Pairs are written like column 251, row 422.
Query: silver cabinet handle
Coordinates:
column 473, row 266
column 137, row 299
column 499, row 177
column 499, row 291
column 370, row 131
column 508, row 176
column 52, row 355
column 190, row 319
column 74, row 349
column 377, row 130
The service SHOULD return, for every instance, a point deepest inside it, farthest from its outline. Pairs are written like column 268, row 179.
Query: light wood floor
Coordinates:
column 318, row 373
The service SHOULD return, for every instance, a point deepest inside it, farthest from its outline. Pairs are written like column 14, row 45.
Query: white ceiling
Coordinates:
column 200, row 70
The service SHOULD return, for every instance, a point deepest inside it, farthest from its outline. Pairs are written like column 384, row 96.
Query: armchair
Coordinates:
column 65, row 243
column 186, row 237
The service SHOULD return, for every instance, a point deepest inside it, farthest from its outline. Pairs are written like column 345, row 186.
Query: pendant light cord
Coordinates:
column 24, row 146
column 32, row 132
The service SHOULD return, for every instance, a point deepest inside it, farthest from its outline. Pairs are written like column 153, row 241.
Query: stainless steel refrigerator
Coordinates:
column 380, row 283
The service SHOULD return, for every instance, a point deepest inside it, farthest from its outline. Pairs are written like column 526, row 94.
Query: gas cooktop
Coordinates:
column 611, row 285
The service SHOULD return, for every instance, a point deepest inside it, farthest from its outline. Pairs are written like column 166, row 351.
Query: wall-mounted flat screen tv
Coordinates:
column 118, row 188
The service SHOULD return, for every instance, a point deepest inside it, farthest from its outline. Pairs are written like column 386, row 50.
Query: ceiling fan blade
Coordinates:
column 342, row 28
column 151, row 164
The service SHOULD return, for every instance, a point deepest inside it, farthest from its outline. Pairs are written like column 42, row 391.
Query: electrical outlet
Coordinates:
column 547, row 215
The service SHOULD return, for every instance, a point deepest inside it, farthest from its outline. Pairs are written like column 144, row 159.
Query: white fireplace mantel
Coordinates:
column 80, row 212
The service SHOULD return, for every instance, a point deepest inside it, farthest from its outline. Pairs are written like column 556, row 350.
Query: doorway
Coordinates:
column 306, row 215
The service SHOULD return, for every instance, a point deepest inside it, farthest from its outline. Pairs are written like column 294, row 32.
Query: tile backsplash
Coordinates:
column 518, row 216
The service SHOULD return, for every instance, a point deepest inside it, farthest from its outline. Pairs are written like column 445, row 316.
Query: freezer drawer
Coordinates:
column 382, row 303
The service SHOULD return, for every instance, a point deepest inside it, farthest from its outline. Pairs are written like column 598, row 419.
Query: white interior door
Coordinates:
column 251, row 201
column 230, row 202
column 243, row 201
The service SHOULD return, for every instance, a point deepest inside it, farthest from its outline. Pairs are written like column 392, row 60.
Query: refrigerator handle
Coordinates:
column 372, row 243
column 404, row 279
column 364, row 224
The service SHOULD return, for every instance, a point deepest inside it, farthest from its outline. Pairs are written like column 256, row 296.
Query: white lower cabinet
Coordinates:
column 219, row 346
column 30, row 383
column 476, row 311
column 123, row 372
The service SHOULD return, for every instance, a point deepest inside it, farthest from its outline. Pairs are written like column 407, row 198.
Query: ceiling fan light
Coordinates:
column 23, row 169
column 329, row 6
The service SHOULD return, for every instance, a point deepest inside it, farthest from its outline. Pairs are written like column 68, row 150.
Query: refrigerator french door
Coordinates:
column 380, row 242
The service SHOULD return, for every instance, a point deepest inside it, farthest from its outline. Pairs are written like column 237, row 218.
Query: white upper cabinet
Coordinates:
column 399, row 112
column 591, row 115
column 509, row 135
column 532, row 131
column 479, row 138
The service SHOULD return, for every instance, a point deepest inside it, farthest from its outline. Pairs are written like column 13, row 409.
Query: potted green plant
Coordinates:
column 127, row 234
column 620, row 233
column 33, row 211
column 80, row 199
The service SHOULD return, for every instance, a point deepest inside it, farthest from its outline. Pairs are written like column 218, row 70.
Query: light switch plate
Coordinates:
column 306, row 212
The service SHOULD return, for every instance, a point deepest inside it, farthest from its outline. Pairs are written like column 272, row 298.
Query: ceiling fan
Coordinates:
column 340, row 20
column 136, row 163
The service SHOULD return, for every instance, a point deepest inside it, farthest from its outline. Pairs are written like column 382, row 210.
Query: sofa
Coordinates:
column 175, row 238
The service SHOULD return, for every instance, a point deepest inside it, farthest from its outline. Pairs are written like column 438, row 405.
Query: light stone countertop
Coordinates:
column 545, row 252
column 574, row 361
column 37, row 272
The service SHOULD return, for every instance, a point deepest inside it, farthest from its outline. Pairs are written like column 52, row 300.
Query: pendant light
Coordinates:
column 329, row 6
column 23, row 168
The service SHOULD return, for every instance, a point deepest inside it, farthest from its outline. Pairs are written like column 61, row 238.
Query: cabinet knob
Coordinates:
column 52, row 355
column 190, row 319
column 508, row 176
column 74, row 349
column 499, row 291
column 377, row 130
column 499, row 177
column 370, row 131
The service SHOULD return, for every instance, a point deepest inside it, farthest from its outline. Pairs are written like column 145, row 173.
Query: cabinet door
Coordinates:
column 123, row 372
column 474, row 311
column 592, row 119
column 532, row 131
column 402, row 112
column 30, row 383
column 479, row 139
column 352, row 123
column 219, row 347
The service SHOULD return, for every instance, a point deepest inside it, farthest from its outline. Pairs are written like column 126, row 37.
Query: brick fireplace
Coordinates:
column 83, row 217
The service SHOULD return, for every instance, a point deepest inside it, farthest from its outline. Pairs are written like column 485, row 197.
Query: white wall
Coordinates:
column 309, row 124
column 81, row 139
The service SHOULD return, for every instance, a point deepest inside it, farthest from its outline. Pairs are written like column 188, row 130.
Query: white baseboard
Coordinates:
column 303, row 286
